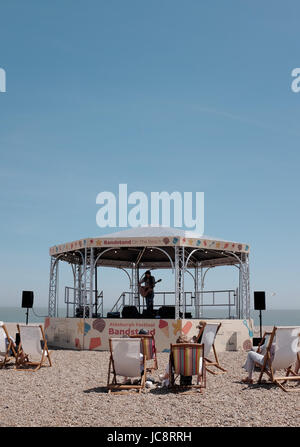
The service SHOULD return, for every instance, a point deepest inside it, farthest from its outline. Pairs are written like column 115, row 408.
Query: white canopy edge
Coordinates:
column 152, row 236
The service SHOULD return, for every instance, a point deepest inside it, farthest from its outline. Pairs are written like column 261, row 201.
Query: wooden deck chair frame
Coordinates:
column 201, row 377
column 10, row 347
column 154, row 358
column 23, row 361
column 208, row 362
column 120, row 388
column 262, row 341
column 266, row 368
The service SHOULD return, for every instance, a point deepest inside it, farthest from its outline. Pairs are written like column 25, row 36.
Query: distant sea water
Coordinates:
column 280, row 317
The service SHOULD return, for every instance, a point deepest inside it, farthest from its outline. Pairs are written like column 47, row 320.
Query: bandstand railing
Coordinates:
column 76, row 303
column 227, row 299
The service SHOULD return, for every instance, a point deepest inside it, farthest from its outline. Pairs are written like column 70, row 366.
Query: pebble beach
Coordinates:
column 73, row 393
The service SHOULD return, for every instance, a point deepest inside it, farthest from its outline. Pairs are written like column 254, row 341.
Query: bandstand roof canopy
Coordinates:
column 152, row 247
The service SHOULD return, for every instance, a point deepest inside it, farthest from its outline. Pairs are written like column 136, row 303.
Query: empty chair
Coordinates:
column 126, row 360
column 282, row 353
column 7, row 346
column 208, row 334
column 30, row 352
column 187, row 359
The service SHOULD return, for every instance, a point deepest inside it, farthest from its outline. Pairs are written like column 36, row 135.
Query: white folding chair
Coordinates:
column 209, row 334
column 6, row 346
column 284, row 340
column 30, row 352
column 125, row 361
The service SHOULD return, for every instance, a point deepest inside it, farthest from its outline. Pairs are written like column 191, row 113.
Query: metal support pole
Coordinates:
column 91, row 282
column 86, row 276
column 244, row 286
column 196, row 310
column 136, row 289
column 53, row 287
column 199, row 285
column 179, row 283
column 132, row 285
column 78, row 287
column 96, row 291
column 260, row 324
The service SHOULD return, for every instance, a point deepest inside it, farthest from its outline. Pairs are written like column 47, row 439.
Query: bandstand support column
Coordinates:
column 132, row 287
column 78, row 287
column 198, row 290
column 53, row 287
column 136, row 288
column 88, row 274
column 179, row 282
column 91, row 283
column 244, row 288
column 134, row 298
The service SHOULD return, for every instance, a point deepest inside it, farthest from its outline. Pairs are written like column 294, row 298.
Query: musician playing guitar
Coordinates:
column 148, row 291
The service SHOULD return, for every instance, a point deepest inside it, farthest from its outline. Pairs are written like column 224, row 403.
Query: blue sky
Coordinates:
column 161, row 95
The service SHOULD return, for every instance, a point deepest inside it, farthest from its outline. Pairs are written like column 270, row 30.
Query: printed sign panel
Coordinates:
column 94, row 334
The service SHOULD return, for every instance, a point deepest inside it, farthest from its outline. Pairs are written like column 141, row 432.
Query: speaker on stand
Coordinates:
column 130, row 312
column 259, row 304
column 27, row 301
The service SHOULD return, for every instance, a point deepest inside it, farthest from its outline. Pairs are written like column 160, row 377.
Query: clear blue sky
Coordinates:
column 161, row 95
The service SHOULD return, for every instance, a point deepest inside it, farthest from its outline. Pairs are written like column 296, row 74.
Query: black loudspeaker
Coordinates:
column 27, row 299
column 166, row 312
column 113, row 314
column 259, row 300
column 130, row 312
column 148, row 314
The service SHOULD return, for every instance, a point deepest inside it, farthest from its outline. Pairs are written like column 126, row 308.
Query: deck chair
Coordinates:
column 148, row 349
column 125, row 361
column 209, row 332
column 7, row 346
column 30, row 353
column 187, row 359
column 286, row 343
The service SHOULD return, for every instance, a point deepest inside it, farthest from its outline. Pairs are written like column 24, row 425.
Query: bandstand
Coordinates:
column 181, row 252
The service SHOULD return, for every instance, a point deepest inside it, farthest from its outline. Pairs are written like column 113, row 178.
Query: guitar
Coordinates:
column 144, row 289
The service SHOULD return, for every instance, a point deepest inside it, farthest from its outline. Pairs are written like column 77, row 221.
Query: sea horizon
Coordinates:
column 271, row 317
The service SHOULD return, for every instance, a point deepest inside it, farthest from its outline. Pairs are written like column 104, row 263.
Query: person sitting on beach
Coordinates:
column 184, row 380
column 254, row 357
column 197, row 337
column 7, row 341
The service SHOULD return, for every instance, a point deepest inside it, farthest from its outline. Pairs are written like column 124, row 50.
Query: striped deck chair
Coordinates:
column 148, row 348
column 30, row 353
column 209, row 333
column 125, row 361
column 7, row 346
column 186, row 359
column 284, row 340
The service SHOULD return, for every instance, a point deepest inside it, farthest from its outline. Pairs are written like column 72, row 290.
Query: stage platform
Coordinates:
column 93, row 334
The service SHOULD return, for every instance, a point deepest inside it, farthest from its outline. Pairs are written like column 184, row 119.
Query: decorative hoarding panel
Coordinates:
column 94, row 334
column 66, row 333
